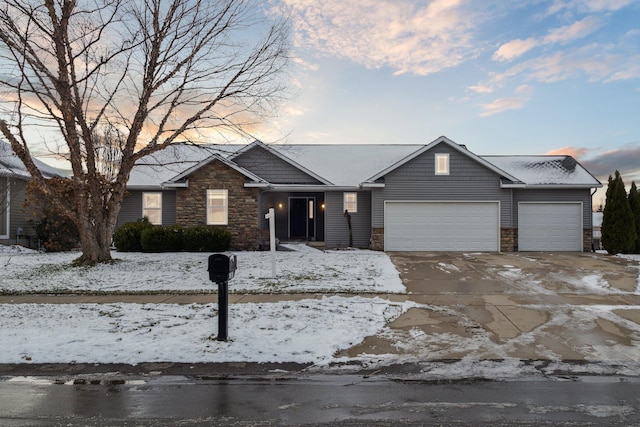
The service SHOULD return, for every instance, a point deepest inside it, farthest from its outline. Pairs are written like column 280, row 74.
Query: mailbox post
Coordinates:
column 222, row 267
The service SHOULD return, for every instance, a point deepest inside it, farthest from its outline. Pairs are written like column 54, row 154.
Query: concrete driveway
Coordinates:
column 529, row 306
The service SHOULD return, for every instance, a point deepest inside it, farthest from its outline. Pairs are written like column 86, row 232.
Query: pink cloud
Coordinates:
column 569, row 151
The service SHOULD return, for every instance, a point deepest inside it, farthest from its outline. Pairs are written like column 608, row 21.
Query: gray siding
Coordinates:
column 272, row 168
column 336, row 227
column 131, row 209
column 4, row 206
column 467, row 181
column 272, row 200
column 580, row 195
column 19, row 216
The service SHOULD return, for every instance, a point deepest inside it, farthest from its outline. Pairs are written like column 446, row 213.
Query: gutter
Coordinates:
column 551, row 186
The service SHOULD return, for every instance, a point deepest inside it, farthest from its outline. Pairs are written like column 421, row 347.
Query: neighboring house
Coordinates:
column 14, row 220
column 434, row 197
column 597, row 231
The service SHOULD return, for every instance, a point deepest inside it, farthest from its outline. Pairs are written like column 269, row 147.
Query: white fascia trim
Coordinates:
column 169, row 184
column 145, row 187
column 311, row 188
column 256, row 185
column 372, row 185
column 503, row 185
column 551, row 186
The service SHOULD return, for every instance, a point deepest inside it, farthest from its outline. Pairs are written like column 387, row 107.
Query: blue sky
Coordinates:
column 502, row 77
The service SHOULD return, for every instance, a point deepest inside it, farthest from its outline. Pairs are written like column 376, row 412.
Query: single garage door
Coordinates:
column 549, row 226
column 442, row 226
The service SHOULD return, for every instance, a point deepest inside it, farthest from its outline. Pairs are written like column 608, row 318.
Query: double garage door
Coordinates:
column 442, row 226
column 475, row 226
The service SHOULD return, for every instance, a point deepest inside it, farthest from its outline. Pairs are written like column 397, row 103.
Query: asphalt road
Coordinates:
column 320, row 400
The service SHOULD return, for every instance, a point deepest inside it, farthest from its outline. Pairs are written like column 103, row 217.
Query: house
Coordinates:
column 14, row 220
column 597, row 231
column 434, row 197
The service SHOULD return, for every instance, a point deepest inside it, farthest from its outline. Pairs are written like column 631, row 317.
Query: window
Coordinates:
column 217, row 207
column 442, row 164
column 152, row 207
column 351, row 202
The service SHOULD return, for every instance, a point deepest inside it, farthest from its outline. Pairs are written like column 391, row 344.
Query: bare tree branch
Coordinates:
column 122, row 79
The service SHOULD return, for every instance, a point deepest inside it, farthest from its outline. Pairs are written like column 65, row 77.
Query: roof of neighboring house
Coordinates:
column 12, row 166
column 352, row 165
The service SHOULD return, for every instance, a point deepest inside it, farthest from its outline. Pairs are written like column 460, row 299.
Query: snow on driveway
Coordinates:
column 315, row 331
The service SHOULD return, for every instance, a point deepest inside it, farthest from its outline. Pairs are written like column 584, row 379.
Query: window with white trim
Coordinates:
column 442, row 164
column 217, row 207
column 351, row 202
column 152, row 207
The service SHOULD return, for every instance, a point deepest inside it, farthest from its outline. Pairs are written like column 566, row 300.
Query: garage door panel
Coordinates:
column 550, row 226
column 441, row 226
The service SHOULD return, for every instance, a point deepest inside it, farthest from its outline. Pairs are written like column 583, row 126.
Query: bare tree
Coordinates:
column 120, row 79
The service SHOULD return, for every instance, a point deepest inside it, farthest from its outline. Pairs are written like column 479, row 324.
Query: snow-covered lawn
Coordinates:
column 303, row 270
column 314, row 330
column 306, row 331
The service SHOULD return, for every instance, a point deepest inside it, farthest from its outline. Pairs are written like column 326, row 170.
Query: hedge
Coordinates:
column 141, row 236
column 162, row 238
column 204, row 238
column 127, row 237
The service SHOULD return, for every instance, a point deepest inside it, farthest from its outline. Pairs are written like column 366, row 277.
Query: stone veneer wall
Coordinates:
column 377, row 239
column 587, row 240
column 508, row 240
column 191, row 203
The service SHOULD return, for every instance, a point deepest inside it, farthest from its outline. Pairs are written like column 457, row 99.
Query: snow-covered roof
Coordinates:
column 346, row 165
column 340, row 165
column 545, row 170
column 353, row 164
column 153, row 170
column 12, row 166
column 446, row 141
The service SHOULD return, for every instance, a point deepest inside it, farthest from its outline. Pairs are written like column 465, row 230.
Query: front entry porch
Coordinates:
column 299, row 216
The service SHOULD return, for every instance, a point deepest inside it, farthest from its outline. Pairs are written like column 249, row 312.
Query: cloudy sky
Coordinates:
column 502, row 77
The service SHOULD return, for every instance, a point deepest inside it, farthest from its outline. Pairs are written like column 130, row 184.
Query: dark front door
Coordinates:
column 301, row 218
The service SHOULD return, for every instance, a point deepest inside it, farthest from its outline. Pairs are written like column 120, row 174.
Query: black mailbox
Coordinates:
column 222, row 267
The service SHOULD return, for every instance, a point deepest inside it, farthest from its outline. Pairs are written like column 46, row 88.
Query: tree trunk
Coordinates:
column 97, row 223
column 95, row 241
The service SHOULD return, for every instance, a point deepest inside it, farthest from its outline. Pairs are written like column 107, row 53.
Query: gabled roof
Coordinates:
column 176, row 179
column 276, row 151
column 441, row 140
column 354, row 166
column 162, row 166
column 11, row 165
column 346, row 164
column 545, row 171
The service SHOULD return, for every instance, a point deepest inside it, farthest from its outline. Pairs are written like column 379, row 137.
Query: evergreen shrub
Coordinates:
column 56, row 233
column 618, row 223
column 127, row 238
column 162, row 238
column 202, row 238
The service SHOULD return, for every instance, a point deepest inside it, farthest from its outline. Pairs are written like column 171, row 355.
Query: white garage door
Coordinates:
column 441, row 226
column 549, row 226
